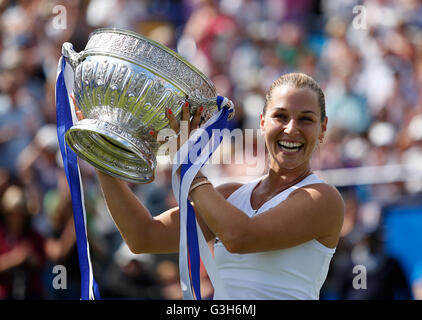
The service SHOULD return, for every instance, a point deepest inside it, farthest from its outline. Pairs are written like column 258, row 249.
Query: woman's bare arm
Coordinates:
column 141, row 231
column 311, row 212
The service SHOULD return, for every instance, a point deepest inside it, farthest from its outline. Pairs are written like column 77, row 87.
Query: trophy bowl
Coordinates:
column 124, row 84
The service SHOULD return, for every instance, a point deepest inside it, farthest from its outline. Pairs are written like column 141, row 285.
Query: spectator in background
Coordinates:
column 60, row 245
column 385, row 278
column 168, row 277
column 131, row 276
column 22, row 255
column 158, row 196
column 39, row 172
column 18, row 111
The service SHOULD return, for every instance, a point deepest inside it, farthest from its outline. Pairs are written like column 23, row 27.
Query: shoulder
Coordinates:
column 323, row 202
column 320, row 191
column 324, row 197
column 227, row 189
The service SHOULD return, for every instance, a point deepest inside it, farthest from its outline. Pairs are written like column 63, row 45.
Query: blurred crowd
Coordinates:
column 366, row 55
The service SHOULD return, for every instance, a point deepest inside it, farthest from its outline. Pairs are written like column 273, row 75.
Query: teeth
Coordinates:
column 290, row 144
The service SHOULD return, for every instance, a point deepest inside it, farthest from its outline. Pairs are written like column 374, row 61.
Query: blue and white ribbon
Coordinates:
column 65, row 118
column 193, row 247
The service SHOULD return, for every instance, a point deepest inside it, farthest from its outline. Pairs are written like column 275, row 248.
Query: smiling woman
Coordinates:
column 274, row 236
column 293, row 120
column 277, row 234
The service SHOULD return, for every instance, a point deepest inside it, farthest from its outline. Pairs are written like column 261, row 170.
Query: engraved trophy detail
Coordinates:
column 124, row 84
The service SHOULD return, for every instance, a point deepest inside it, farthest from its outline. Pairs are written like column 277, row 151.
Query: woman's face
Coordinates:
column 292, row 127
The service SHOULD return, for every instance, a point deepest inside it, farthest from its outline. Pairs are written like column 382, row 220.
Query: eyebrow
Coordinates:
column 310, row 111
column 284, row 109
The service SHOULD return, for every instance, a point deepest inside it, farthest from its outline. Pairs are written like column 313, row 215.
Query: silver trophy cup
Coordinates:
column 124, row 85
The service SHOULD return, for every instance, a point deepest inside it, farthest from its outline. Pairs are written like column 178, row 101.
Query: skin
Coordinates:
column 311, row 212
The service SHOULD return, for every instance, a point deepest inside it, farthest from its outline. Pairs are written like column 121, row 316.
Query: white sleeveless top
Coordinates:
column 287, row 274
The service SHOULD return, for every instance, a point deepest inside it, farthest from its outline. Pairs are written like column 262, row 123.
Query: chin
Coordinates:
column 287, row 165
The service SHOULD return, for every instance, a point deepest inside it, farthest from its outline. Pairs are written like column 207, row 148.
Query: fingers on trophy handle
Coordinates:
column 186, row 111
column 174, row 125
column 153, row 134
column 78, row 111
column 196, row 120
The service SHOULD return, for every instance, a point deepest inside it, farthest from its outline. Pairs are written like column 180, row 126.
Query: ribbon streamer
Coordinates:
column 65, row 119
column 193, row 246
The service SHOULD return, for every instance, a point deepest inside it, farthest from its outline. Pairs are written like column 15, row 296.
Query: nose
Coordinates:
column 291, row 127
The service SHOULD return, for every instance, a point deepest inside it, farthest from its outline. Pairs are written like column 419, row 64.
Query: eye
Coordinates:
column 280, row 116
column 306, row 119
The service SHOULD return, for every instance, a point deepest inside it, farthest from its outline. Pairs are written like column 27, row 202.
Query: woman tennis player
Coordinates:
column 274, row 236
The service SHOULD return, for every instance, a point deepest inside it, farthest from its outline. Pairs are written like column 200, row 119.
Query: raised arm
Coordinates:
column 142, row 232
column 311, row 212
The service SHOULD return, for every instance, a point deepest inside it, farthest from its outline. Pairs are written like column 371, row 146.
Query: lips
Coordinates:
column 290, row 146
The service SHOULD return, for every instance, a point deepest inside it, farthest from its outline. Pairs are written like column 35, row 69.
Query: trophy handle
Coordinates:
column 71, row 55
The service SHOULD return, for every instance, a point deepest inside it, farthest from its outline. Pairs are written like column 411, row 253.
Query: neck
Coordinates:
column 278, row 178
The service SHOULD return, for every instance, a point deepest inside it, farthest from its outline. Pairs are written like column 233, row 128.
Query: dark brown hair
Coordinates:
column 298, row 80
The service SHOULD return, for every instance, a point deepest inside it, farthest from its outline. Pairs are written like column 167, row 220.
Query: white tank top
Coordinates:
column 293, row 273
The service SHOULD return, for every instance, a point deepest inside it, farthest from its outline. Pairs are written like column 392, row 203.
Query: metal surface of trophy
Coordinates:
column 124, row 85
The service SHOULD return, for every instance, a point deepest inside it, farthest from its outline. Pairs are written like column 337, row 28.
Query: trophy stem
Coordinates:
column 113, row 150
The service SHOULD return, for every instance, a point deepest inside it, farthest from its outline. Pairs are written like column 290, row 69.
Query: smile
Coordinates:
column 290, row 147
